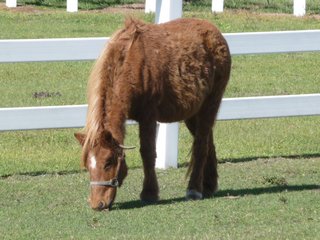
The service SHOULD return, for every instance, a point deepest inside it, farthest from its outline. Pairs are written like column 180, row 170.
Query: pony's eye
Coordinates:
column 109, row 163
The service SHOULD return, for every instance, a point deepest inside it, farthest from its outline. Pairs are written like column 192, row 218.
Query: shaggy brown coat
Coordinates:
column 168, row 72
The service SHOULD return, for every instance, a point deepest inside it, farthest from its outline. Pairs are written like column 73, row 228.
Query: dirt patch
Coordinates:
column 126, row 8
column 288, row 15
column 40, row 95
column 22, row 8
column 268, row 14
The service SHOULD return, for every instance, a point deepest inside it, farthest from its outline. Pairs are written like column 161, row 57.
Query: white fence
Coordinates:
column 299, row 6
column 89, row 48
column 73, row 116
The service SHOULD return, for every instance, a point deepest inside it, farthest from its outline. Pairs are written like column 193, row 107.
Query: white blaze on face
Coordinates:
column 93, row 162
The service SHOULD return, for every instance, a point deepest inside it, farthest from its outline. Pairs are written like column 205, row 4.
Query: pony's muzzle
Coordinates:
column 100, row 206
column 102, row 197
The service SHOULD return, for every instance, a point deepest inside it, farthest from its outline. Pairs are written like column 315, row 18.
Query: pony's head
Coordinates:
column 105, row 161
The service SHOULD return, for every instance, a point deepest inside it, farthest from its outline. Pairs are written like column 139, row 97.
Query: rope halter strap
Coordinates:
column 112, row 183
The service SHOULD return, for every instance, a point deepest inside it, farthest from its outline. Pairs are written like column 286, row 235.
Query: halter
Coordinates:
column 111, row 183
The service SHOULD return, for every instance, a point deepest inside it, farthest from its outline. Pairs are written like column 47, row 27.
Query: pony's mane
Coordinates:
column 96, row 115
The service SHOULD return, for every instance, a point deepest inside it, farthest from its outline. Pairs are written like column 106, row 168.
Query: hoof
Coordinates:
column 194, row 195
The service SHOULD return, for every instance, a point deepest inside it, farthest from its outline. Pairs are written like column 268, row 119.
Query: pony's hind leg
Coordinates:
column 210, row 173
column 198, row 160
column 210, row 178
column 150, row 191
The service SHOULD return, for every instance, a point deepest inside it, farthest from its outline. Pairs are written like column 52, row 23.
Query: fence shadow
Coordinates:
column 266, row 190
column 238, row 193
column 255, row 158
column 40, row 173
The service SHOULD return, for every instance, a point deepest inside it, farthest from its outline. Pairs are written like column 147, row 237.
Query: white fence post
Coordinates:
column 299, row 8
column 167, row 10
column 150, row 6
column 217, row 6
column 167, row 145
column 167, row 135
column 72, row 5
column 11, row 3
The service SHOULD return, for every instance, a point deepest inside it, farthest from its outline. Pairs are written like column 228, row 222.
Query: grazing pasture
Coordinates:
column 264, row 198
column 269, row 168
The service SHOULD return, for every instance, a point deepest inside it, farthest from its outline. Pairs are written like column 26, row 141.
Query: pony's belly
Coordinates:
column 183, row 101
column 174, row 113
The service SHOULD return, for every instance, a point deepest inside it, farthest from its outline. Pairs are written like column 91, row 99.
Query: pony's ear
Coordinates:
column 80, row 137
column 107, row 136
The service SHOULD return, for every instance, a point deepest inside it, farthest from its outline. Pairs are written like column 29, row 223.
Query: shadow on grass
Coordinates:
column 41, row 173
column 238, row 193
column 231, row 160
column 255, row 158
column 249, row 159
column 266, row 190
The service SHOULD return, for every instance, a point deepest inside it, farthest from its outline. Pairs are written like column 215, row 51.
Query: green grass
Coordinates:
column 246, row 207
column 58, row 24
column 269, row 168
column 56, row 151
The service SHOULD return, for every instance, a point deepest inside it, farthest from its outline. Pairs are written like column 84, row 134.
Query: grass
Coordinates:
column 56, row 151
column 269, row 169
column 246, row 207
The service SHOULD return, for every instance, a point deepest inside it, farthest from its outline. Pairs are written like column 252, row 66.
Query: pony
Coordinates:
column 176, row 71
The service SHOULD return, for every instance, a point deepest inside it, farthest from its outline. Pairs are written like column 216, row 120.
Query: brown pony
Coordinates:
column 167, row 73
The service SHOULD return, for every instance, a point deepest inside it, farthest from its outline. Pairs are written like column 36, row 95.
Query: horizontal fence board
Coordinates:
column 270, row 106
column 55, row 49
column 28, row 118
column 273, row 42
column 73, row 49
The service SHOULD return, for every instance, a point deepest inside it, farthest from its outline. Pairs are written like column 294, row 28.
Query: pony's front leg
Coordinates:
column 147, row 131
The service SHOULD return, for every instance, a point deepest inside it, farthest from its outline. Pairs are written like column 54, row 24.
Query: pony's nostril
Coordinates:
column 101, row 206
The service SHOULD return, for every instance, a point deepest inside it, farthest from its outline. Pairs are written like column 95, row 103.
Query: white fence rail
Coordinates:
column 89, row 49
column 70, row 49
column 54, row 49
column 30, row 118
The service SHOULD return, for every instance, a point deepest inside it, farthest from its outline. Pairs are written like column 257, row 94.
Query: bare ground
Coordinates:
column 116, row 9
